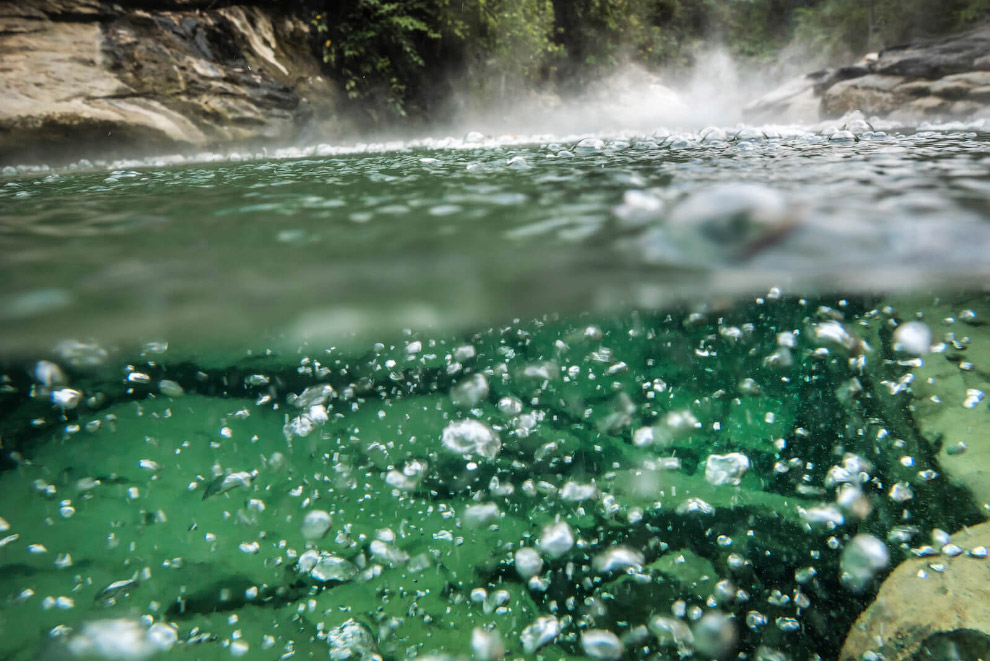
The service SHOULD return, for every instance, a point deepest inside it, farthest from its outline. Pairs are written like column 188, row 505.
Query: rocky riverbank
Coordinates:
column 947, row 78
column 84, row 78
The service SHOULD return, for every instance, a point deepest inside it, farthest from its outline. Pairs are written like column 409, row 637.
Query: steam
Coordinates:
column 712, row 93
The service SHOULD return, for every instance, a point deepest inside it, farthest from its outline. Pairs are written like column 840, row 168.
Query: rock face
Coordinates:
column 84, row 77
column 923, row 612
column 947, row 78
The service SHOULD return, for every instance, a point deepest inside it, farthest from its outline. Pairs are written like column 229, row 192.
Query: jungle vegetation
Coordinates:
column 401, row 58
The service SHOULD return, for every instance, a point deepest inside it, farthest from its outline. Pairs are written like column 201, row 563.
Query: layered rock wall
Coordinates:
column 85, row 77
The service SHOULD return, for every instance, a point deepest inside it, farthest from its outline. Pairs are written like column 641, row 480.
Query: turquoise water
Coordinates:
column 316, row 404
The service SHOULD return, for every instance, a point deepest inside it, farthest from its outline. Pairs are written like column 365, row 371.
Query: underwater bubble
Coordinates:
column 616, row 559
column 557, row 539
column 388, row 553
column 973, row 398
column 481, row 515
column 250, row 547
column 863, row 557
column 487, row 645
column 225, row 483
column 956, row 448
column 695, row 506
column 120, row 588
column 308, row 560
column 914, row 337
column 351, row 640
column 138, row 377
column 312, row 396
column 755, row 620
column 726, row 469
column 170, row 388
column 469, row 392
column 510, row 406
column 575, row 492
column 301, row 426
column 66, row 398
column 81, row 354
column 673, row 426
column 714, row 635
column 256, row 380
column 315, row 524
column 470, row 437
column 49, row 374
column 787, row 624
column 901, row 492
column 940, row 537
column 601, row 644
column 331, row 568
column 672, row 632
column 643, row 437
column 121, row 639
column 543, row 630
column 833, row 332
column 951, row 550
column 827, row 515
column 528, row 562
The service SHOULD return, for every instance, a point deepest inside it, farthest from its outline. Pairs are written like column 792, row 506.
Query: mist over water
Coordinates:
column 631, row 98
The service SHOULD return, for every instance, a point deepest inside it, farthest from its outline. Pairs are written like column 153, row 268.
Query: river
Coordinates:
column 587, row 395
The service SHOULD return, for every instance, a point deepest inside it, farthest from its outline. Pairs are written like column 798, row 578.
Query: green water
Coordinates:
column 459, row 350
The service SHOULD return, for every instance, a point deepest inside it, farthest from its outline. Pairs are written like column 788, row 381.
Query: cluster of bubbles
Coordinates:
column 603, row 476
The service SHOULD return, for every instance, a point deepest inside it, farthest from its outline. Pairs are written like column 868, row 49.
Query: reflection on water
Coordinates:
column 584, row 398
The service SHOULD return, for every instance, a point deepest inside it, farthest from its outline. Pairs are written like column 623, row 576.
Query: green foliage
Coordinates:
column 844, row 28
column 518, row 36
column 392, row 56
column 379, row 48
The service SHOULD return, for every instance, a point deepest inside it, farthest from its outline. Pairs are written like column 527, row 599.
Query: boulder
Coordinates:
column 871, row 94
column 943, row 78
column 936, row 58
column 936, row 608
column 81, row 78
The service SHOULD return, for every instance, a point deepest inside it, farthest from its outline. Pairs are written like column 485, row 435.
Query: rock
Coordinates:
column 795, row 100
column 872, row 94
column 179, row 78
column 890, row 83
column 915, row 88
column 954, row 612
column 937, row 58
column 950, row 89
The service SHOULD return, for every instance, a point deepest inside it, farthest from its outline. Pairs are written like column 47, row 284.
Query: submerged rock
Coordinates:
column 925, row 608
column 948, row 388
